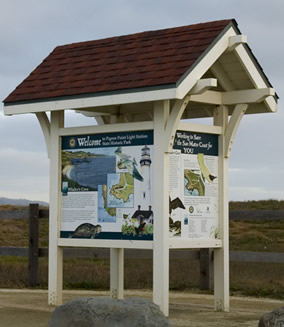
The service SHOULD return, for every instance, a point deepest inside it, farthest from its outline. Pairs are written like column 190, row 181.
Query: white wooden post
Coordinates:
column 116, row 255
column 221, row 255
column 116, row 273
column 55, row 253
column 161, row 209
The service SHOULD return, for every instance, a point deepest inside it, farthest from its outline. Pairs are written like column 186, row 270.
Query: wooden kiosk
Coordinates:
column 152, row 83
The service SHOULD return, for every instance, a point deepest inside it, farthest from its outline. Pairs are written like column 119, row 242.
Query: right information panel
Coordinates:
column 193, row 185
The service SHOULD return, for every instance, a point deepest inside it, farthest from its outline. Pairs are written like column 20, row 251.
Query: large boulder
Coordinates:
column 273, row 319
column 106, row 312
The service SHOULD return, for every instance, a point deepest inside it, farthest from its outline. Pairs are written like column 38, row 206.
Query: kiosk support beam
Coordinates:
column 221, row 255
column 55, row 253
column 161, row 209
column 116, row 273
column 116, row 254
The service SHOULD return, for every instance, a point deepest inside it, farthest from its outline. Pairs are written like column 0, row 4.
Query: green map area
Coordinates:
column 194, row 182
column 124, row 188
column 110, row 211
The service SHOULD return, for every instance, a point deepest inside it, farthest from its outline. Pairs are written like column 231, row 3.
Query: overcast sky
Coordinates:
column 31, row 29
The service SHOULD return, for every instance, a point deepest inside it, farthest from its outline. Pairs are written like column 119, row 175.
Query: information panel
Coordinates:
column 106, row 186
column 193, row 185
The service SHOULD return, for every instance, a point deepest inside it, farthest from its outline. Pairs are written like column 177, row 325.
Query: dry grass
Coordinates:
column 245, row 278
column 270, row 204
column 13, row 272
column 257, row 279
column 251, row 279
column 265, row 236
column 15, row 232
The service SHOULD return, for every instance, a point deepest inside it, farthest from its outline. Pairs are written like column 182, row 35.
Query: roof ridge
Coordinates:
column 147, row 34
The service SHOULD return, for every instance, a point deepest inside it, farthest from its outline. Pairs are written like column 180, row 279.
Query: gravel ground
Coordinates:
column 29, row 308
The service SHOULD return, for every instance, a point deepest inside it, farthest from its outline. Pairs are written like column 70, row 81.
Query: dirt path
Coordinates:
column 29, row 308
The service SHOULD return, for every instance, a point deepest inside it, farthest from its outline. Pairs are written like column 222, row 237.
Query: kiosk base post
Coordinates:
column 116, row 273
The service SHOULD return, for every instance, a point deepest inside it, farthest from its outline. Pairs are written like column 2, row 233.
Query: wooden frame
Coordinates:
column 164, row 124
column 166, row 120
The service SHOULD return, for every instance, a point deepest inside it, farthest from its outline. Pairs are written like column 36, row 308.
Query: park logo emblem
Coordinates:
column 72, row 142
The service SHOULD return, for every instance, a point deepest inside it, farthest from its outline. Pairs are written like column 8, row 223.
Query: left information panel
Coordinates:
column 106, row 186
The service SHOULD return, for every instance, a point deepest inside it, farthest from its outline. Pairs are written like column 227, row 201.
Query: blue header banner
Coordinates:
column 107, row 140
column 194, row 143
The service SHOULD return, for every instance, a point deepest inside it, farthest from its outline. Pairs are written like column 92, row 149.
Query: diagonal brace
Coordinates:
column 45, row 127
column 232, row 127
column 173, row 120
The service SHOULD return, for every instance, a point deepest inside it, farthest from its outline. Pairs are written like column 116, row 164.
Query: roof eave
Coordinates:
column 91, row 101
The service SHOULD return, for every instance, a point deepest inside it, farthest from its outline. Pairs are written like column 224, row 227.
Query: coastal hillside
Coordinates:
column 20, row 202
column 270, row 204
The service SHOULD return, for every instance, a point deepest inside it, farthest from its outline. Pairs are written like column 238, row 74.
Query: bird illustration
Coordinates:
column 126, row 162
column 205, row 173
column 175, row 227
column 174, row 204
column 125, row 216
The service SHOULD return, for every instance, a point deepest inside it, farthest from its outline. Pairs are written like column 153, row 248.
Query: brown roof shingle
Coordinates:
column 149, row 59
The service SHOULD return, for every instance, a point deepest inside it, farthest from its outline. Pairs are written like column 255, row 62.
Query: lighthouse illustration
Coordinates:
column 145, row 163
column 144, row 213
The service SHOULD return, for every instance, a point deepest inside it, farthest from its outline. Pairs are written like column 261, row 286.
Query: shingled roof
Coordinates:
column 154, row 59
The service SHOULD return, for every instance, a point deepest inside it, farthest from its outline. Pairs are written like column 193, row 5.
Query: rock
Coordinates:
column 106, row 312
column 273, row 319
